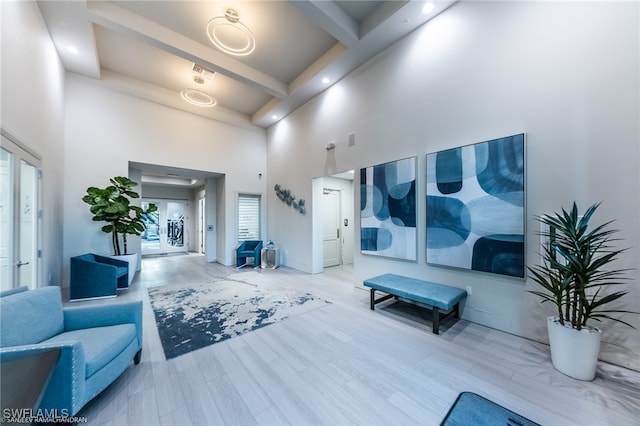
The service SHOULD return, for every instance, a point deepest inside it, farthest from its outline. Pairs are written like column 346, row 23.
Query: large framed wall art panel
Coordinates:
column 475, row 206
column 388, row 209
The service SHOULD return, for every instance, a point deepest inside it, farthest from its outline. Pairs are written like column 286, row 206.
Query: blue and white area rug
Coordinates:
column 192, row 316
column 473, row 409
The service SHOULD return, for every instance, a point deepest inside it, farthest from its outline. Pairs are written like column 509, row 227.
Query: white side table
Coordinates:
column 270, row 258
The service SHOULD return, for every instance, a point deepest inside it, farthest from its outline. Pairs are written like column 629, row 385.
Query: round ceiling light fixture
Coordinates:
column 198, row 98
column 230, row 35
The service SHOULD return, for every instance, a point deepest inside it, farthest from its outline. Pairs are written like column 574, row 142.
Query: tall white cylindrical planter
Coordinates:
column 573, row 352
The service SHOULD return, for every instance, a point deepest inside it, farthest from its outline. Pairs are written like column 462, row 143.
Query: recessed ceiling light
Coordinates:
column 198, row 98
column 230, row 35
column 325, row 80
column 428, row 7
column 73, row 49
column 274, row 117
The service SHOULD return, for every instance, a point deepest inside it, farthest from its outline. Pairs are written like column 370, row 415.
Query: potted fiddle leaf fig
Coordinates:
column 577, row 277
column 112, row 205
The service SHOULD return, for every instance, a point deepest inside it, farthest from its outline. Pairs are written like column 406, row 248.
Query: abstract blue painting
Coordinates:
column 388, row 209
column 475, row 206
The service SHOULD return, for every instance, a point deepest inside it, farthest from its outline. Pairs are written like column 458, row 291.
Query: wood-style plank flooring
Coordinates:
column 343, row 364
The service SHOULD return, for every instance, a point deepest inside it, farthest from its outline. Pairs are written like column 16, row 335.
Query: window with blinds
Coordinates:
column 248, row 217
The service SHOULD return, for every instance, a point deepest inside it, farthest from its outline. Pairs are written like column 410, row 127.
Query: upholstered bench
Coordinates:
column 437, row 297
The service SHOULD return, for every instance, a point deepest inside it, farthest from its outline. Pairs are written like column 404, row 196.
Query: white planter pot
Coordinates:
column 573, row 352
column 132, row 259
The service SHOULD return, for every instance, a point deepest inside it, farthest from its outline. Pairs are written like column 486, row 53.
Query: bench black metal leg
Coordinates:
column 436, row 320
column 373, row 299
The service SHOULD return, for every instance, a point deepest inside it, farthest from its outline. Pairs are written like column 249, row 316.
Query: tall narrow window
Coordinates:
column 248, row 217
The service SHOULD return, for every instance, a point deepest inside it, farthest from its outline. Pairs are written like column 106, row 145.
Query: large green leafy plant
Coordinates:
column 576, row 271
column 113, row 205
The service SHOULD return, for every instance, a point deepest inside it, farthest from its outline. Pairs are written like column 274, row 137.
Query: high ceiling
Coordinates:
column 148, row 48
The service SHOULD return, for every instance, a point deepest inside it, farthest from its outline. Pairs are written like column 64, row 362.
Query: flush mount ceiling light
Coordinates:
column 230, row 35
column 198, row 98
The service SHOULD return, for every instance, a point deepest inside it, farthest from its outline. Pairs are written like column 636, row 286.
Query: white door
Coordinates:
column 19, row 216
column 201, row 225
column 331, row 227
column 165, row 228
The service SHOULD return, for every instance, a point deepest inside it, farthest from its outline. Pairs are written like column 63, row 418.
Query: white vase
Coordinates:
column 573, row 352
column 132, row 260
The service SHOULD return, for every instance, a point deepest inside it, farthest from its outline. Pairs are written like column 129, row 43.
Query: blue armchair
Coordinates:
column 97, row 343
column 248, row 249
column 93, row 276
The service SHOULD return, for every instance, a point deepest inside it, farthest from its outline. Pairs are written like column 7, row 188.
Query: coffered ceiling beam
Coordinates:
column 125, row 22
column 331, row 18
column 149, row 92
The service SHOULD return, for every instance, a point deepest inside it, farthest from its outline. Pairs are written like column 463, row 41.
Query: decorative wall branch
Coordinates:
column 287, row 197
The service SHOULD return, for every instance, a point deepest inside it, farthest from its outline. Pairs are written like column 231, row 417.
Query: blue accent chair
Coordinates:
column 248, row 249
column 97, row 343
column 93, row 276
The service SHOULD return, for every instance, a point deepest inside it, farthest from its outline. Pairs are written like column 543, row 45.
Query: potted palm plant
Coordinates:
column 576, row 276
column 112, row 205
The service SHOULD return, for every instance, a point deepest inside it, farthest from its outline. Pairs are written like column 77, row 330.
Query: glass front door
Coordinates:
column 27, row 232
column 165, row 228
column 19, row 217
column 6, row 219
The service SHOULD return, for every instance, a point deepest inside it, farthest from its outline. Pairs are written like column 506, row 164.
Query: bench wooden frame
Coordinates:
column 444, row 301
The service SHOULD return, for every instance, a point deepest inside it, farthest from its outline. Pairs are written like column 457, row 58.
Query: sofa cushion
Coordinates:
column 13, row 291
column 100, row 344
column 31, row 316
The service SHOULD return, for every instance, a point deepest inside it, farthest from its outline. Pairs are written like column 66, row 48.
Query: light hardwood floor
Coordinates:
column 343, row 364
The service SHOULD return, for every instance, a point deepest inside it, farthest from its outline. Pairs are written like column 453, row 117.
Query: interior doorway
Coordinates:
column 333, row 229
column 331, row 235
column 201, row 226
column 165, row 228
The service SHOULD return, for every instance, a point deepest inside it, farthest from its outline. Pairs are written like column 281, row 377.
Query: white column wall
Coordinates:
column 565, row 73
column 105, row 130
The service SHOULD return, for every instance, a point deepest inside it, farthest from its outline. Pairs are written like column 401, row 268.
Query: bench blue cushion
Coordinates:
column 438, row 295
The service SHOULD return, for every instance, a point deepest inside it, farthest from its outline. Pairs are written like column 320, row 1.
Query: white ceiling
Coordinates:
column 147, row 48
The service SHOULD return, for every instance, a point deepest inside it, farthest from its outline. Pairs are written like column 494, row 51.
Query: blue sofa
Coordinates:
column 97, row 343
column 93, row 276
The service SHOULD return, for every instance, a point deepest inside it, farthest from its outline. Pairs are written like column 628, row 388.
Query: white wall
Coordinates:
column 32, row 110
column 564, row 73
column 105, row 130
